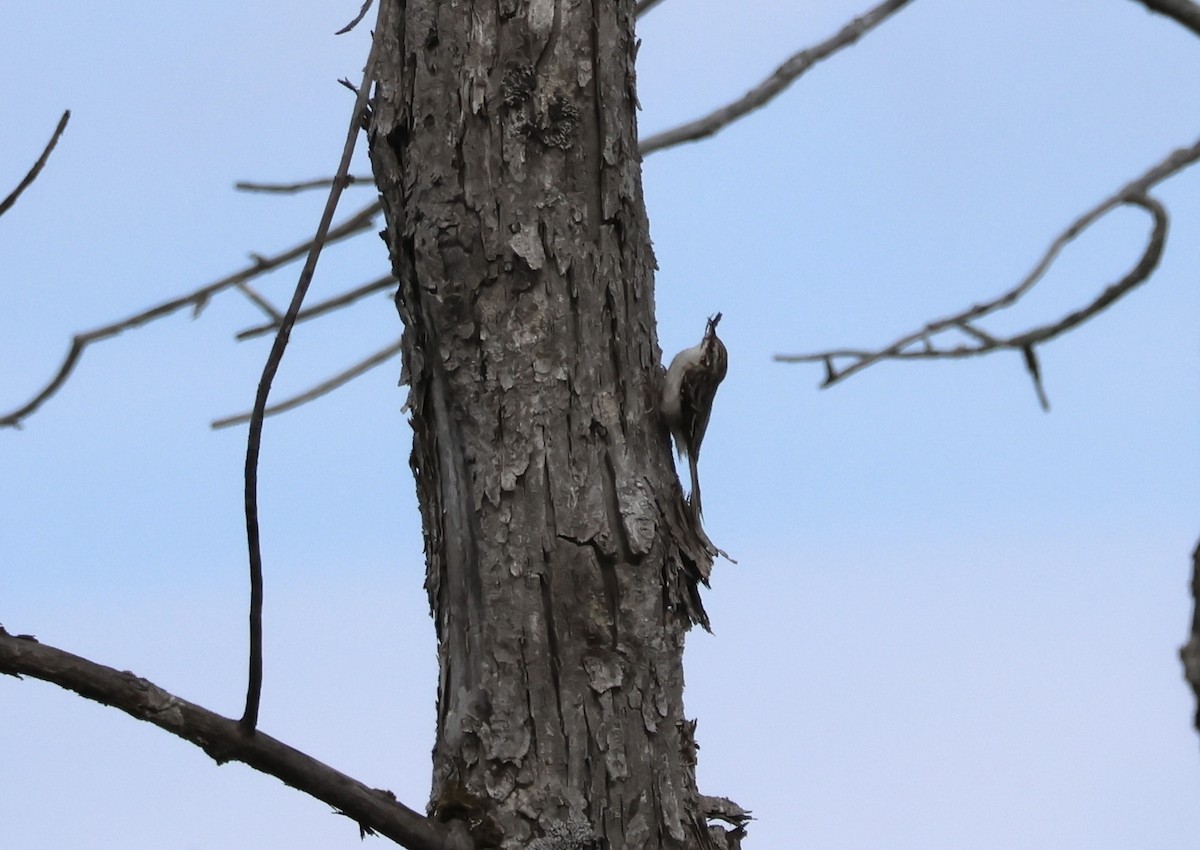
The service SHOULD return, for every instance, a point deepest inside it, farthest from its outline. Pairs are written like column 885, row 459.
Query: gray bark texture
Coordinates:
column 562, row 566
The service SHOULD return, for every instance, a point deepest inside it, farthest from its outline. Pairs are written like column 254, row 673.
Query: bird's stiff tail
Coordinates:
column 695, row 497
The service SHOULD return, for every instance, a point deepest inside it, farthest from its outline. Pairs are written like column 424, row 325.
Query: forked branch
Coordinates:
column 358, row 222
column 922, row 345
column 221, row 738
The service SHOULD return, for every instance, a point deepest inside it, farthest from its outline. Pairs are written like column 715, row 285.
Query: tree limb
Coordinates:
column 783, row 77
column 920, row 344
column 1184, row 12
column 359, row 221
column 7, row 203
column 344, row 377
column 644, row 6
column 362, row 13
column 221, row 738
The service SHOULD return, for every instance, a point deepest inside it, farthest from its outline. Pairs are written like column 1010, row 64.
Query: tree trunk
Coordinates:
column 561, row 567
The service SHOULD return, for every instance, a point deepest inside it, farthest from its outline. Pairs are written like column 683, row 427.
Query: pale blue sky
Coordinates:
column 954, row 619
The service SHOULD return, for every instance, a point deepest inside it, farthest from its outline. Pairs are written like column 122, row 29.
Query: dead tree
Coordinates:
column 561, row 572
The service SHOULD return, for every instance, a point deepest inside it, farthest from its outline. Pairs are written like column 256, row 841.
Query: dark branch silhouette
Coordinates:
column 362, row 13
column 1189, row 653
column 1184, row 12
column 765, row 91
column 270, row 368
column 359, row 221
column 344, row 377
column 7, row 203
column 221, row 738
column 920, row 344
column 644, row 6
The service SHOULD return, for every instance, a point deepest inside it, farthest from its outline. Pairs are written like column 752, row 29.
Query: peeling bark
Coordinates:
column 562, row 570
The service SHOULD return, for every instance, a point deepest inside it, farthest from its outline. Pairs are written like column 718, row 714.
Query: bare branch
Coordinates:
column 220, row 737
column 322, row 307
column 254, row 441
column 1184, row 12
column 359, row 221
column 919, row 345
column 361, row 367
column 644, row 6
column 7, row 203
column 362, row 13
column 260, row 302
column 1189, row 653
column 783, row 77
column 901, row 349
column 293, row 188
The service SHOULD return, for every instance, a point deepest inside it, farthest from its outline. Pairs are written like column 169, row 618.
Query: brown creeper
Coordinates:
column 687, row 398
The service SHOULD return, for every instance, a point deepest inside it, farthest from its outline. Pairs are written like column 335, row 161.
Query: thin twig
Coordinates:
column 220, row 737
column 37, row 166
column 249, row 719
column 322, row 307
column 356, row 223
column 362, row 13
column 1184, row 12
column 259, row 301
column 327, row 386
column 1035, row 374
column 1134, row 193
column 293, row 188
column 783, row 77
column 901, row 348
